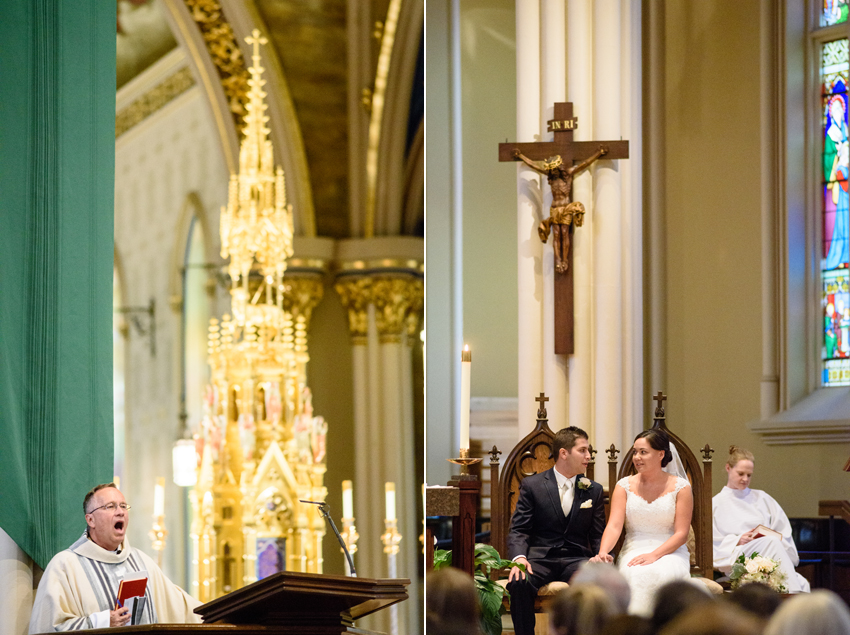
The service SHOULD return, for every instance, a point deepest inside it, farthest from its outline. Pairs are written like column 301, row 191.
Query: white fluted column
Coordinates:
column 607, row 231
column 379, row 308
column 600, row 386
column 579, row 54
column 553, row 89
column 530, row 249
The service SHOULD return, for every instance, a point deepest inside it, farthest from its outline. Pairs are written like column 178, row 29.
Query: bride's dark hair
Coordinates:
column 658, row 440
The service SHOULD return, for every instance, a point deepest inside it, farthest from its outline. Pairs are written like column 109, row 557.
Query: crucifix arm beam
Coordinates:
column 576, row 150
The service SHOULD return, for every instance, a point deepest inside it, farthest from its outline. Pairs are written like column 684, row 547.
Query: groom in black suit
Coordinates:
column 557, row 525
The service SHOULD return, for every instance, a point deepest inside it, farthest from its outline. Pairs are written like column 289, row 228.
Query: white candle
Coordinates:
column 465, row 371
column 159, row 498
column 347, row 500
column 389, row 489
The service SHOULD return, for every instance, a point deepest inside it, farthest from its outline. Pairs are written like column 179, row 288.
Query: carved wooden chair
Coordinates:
column 532, row 455
column 700, row 544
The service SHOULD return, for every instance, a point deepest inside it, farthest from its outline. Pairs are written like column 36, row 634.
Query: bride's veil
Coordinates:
column 676, row 467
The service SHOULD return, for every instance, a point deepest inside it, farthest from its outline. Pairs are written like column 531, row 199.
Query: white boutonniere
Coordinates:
column 584, row 483
column 586, row 504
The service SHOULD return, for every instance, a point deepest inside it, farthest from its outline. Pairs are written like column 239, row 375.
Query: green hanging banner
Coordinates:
column 57, row 165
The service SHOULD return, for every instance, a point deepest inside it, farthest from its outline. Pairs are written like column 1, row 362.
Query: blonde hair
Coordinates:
column 582, row 609
column 739, row 454
column 820, row 612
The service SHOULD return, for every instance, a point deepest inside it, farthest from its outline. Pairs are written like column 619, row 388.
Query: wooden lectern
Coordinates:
column 288, row 603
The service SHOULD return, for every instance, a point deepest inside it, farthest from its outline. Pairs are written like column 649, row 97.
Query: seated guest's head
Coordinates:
column 107, row 516
column 759, row 599
column 451, row 603
column 676, row 597
column 820, row 612
column 628, row 625
column 609, row 578
column 715, row 618
column 739, row 468
column 582, row 609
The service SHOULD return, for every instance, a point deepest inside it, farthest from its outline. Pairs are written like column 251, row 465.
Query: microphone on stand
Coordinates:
column 325, row 510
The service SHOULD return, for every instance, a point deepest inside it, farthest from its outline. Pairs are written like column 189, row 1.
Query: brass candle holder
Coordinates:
column 391, row 538
column 157, row 534
column 464, row 460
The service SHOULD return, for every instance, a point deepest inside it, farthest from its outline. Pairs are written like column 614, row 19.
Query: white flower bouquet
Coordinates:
column 758, row 569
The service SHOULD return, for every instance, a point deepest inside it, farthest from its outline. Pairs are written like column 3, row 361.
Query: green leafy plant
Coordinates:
column 487, row 564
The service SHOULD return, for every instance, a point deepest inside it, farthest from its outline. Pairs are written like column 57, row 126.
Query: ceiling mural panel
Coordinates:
column 310, row 39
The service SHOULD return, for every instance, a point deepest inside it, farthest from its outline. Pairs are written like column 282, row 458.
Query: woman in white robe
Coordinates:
column 738, row 510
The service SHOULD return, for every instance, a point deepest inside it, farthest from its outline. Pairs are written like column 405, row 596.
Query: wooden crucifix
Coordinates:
column 541, row 411
column 561, row 160
column 659, row 408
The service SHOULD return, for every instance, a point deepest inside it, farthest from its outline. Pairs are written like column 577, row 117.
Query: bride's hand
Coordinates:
column 643, row 559
column 603, row 557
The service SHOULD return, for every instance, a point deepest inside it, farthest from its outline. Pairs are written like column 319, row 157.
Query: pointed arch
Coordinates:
column 413, row 206
column 390, row 191
column 285, row 129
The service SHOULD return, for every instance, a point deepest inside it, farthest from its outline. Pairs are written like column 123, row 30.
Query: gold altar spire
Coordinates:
column 262, row 448
column 257, row 223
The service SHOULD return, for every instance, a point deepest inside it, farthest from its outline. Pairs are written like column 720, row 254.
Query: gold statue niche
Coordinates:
column 262, row 450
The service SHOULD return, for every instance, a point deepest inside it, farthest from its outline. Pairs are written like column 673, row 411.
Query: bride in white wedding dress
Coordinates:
column 656, row 508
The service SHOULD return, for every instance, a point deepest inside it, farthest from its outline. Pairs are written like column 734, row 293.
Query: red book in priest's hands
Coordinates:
column 133, row 585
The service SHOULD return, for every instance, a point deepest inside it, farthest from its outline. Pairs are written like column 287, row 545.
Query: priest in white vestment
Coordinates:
column 79, row 587
column 738, row 510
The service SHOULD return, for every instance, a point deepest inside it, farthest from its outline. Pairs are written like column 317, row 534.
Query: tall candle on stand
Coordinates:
column 347, row 500
column 389, row 489
column 159, row 498
column 465, row 371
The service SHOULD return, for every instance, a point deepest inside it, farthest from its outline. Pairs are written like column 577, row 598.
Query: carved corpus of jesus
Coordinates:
column 563, row 213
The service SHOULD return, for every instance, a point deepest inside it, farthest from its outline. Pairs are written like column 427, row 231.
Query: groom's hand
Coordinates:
column 516, row 572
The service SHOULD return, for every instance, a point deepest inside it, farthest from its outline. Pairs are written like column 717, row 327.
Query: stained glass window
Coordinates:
column 835, row 257
column 834, row 12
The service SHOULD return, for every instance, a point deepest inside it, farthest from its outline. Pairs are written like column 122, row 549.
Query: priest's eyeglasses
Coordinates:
column 111, row 507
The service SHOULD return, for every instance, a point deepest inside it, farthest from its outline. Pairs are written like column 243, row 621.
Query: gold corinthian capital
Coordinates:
column 414, row 313
column 301, row 295
column 356, row 295
column 393, row 297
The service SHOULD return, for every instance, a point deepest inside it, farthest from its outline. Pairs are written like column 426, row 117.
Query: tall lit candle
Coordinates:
column 159, row 498
column 389, row 489
column 465, row 371
column 347, row 500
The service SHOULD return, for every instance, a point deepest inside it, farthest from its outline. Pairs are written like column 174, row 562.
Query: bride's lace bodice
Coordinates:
column 648, row 526
column 650, row 520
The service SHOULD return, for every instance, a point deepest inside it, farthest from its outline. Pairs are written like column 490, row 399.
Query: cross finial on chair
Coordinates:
column 659, row 409
column 541, row 411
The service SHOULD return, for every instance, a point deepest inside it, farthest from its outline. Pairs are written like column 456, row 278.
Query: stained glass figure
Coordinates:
column 834, row 12
column 835, row 156
column 836, row 328
column 835, row 68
